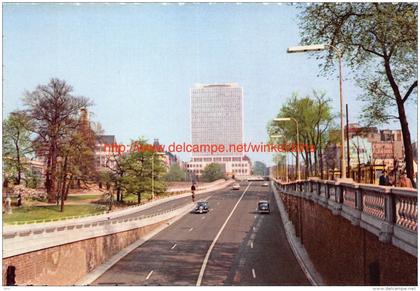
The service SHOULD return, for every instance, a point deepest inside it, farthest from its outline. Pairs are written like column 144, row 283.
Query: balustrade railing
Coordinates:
column 396, row 206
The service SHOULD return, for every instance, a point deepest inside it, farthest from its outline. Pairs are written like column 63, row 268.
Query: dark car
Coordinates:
column 263, row 207
column 201, row 207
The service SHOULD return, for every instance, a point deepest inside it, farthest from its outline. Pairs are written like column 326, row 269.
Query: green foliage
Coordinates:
column 144, row 171
column 32, row 180
column 378, row 41
column 259, row 168
column 314, row 118
column 50, row 212
column 175, row 173
column 16, row 145
column 213, row 172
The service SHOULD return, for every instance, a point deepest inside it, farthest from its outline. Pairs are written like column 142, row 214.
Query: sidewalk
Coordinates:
column 133, row 210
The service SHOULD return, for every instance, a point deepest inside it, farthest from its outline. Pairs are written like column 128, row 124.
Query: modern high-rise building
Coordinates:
column 217, row 119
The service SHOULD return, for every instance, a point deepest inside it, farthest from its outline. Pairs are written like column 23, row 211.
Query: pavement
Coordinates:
column 231, row 245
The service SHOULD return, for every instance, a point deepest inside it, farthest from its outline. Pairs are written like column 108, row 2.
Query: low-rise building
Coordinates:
column 104, row 155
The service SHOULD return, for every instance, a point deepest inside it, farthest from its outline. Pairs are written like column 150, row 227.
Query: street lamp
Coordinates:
column 297, row 139
column 153, row 172
column 320, row 47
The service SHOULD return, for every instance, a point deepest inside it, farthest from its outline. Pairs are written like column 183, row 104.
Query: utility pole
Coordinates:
column 348, row 141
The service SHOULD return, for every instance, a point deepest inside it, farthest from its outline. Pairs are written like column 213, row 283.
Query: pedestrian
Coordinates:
column 193, row 192
column 383, row 179
column 19, row 200
column 404, row 181
column 8, row 204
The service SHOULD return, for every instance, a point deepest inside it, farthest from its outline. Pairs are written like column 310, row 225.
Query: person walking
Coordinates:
column 193, row 192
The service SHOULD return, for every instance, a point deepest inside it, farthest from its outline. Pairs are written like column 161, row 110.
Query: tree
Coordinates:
column 259, row 168
column 116, row 170
column 17, row 145
column 175, row 173
column 77, row 159
column 378, row 41
column 314, row 117
column 213, row 172
column 53, row 110
column 140, row 175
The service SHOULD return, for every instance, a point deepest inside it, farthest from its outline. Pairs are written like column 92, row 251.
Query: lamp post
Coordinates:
column 297, row 140
column 153, row 172
column 320, row 47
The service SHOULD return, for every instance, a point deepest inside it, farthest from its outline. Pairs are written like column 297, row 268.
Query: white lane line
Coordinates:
column 203, row 217
column 191, row 229
column 253, row 228
column 253, row 274
column 252, row 245
column 206, row 258
column 255, row 216
column 150, row 274
column 173, row 246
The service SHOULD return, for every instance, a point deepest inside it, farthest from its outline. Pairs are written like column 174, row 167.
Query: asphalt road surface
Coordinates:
column 230, row 245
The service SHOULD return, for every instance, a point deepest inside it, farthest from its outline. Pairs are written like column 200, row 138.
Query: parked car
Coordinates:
column 236, row 186
column 263, row 206
column 202, row 207
column 265, row 184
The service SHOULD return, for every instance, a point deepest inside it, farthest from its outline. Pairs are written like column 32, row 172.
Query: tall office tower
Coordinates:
column 217, row 118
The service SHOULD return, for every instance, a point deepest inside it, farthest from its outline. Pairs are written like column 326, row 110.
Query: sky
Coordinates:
column 137, row 62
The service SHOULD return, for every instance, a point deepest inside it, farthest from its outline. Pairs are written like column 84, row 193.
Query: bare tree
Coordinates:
column 54, row 110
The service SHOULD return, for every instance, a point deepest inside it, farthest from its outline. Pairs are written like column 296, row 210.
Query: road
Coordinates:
column 230, row 245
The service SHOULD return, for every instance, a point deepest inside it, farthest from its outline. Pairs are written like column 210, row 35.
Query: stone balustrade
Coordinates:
column 388, row 212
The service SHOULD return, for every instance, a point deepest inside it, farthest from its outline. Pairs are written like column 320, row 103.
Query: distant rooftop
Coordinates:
column 105, row 139
column 229, row 85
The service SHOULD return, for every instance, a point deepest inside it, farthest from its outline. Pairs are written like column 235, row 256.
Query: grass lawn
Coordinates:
column 133, row 197
column 82, row 197
column 50, row 212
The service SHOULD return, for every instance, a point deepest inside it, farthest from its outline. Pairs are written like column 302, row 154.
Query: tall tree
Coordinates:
column 144, row 170
column 259, row 168
column 314, row 118
column 212, row 172
column 175, row 173
column 77, row 160
column 54, row 111
column 378, row 41
column 16, row 145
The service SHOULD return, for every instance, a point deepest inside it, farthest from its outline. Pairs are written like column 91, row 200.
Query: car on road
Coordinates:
column 265, row 184
column 236, row 186
column 263, row 206
column 202, row 207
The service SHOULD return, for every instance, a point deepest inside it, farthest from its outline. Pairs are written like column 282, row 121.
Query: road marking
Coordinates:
column 191, row 229
column 150, row 274
column 206, row 258
column 253, row 228
column 252, row 245
column 255, row 216
column 203, row 217
column 253, row 274
column 173, row 246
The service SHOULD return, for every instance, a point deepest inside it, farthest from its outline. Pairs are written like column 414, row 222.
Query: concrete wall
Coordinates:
column 66, row 264
column 345, row 254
